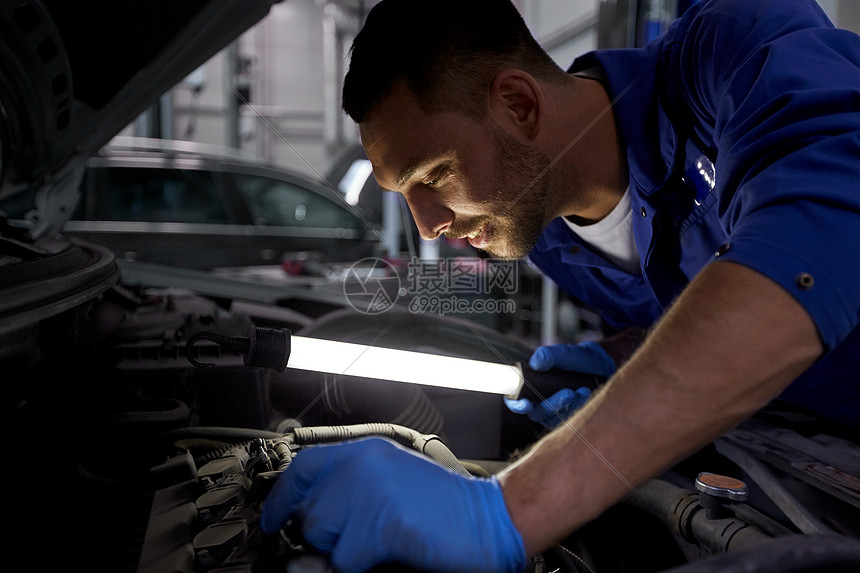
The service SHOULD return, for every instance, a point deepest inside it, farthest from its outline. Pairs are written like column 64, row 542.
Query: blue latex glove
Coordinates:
column 372, row 501
column 586, row 357
column 553, row 410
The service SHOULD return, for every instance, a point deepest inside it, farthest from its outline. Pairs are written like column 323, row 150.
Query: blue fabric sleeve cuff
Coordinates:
column 806, row 281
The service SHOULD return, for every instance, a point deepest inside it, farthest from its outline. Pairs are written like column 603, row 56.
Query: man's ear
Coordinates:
column 516, row 103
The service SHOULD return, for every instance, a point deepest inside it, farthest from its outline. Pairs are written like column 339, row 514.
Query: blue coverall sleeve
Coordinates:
column 778, row 87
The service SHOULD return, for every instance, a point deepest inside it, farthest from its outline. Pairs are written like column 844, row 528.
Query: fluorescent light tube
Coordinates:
column 349, row 359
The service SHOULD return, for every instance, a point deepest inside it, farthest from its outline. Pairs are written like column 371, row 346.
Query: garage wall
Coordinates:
column 566, row 28
column 844, row 13
column 275, row 92
column 299, row 54
column 284, row 85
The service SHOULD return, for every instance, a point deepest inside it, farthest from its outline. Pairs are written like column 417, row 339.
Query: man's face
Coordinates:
column 461, row 178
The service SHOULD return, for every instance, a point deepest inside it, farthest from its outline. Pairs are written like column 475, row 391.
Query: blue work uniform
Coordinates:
column 742, row 130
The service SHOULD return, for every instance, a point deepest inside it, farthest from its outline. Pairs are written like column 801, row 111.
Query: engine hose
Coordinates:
column 152, row 414
column 428, row 444
column 791, row 554
column 421, row 414
column 681, row 511
column 382, row 401
column 229, row 435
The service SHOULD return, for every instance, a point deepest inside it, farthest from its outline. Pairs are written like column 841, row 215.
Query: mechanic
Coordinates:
column 705, row 187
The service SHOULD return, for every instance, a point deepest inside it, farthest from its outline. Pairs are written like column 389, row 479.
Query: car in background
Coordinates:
column 199, row 206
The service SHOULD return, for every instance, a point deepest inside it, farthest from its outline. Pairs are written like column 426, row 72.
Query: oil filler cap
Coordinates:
column 721, row 486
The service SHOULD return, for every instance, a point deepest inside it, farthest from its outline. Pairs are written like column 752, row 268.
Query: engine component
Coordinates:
column 207, row 519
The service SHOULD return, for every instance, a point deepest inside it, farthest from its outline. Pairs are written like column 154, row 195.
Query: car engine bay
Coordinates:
column 155, row 464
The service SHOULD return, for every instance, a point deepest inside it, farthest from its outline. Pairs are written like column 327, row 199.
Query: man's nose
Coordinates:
column 431, row 217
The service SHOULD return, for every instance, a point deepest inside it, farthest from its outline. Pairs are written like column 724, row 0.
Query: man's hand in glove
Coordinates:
column 372, row 501
column 585, row 358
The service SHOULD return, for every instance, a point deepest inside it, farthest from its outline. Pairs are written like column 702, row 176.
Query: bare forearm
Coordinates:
column 728, row 346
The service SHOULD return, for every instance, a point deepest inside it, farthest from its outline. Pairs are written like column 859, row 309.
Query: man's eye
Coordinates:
column 436, row 181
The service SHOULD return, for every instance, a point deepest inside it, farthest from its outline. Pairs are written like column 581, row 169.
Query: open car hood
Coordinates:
column 72, row 75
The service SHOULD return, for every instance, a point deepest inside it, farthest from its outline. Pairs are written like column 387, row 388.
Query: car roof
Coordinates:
column 209, row 156
column 175, row 148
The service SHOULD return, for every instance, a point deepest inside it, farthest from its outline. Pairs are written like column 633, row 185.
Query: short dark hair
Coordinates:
column 446, row 50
